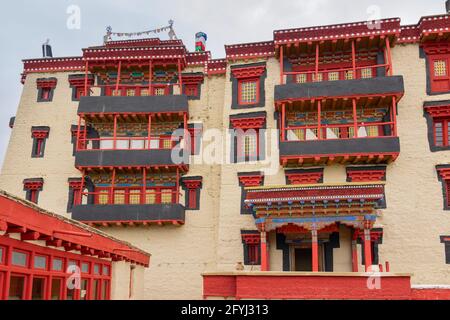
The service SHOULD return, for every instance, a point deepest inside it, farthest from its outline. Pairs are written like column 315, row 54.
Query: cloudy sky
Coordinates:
column 26, row 24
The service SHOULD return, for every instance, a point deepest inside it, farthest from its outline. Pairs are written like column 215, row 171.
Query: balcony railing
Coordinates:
column 340, row 131
column 129, row 197
column 130, row 143
column 334, row 74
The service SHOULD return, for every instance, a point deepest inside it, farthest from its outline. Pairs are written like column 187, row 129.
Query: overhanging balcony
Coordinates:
column 143, row 214
column 312, row 286
column 131, row 158
column 339, row 89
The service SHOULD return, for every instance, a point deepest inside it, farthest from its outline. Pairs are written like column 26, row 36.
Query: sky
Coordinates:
column 26, row 24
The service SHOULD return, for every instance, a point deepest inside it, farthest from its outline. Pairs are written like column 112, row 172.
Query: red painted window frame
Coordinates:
column 165, row 87
column 127, row 193
column 258, row 93
column 2, row 257
column 445, row 131
column 447, row 192
column 45, row 93
column 47, row 259
column 241, row 141
column 253, row 252
column 193, row 87
column 10, row 245
column 79, row 92
column 435, row 79
column 192, row 198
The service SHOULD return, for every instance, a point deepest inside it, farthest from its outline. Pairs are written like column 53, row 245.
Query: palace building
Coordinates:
column 332, row 180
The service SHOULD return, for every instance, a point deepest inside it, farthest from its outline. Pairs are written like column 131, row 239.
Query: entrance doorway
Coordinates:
column 302, row 259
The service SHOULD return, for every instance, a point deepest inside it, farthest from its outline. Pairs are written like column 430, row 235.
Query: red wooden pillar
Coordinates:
column 394, row 116
column 149, row 131
column 389, row 57
column 111, row 191
column 264, row 252
column 119, row 71
column 86, row 79
column 319, row 120
column 281, row 65
column 354, row 59
column 367, row 250
column 77, row 147
column 315, row 251
column 355, row 119
column 177, row 195
column 354, row 255
column 80, row 197
column 115, row 133
column 144, row 185
column 283, row 122
column 317, row 62
column 150, row 77
column 180, row 78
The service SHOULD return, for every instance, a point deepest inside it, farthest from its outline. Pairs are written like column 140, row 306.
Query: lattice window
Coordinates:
column 166, row 196
column 119, row 196
column 300, row 134
column 441, row 133
column 150, row 197
column 336, row 132
column 116, row 93
column 319, row 77
column 372, row 131
column 160, row 91
column 250, row 145
column 440, row 68
column 348, row 75
column 131, row 92
column 366, row 73
column 167, row 144
column 144, row 92
column 103, row 197
column 249, row 92
column 333, row 76
column 135, row 196
column 301, row 78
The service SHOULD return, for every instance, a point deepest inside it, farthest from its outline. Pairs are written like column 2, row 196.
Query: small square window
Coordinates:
column 348, row 75
column 135, row 196
column 301, row 78
column 2, row 250
column 366, row 73
column 333, row 76
column 97, row 269
column 440, row 68
column 85, row 267
column 45, row 93
column 106, row 270
column 191, row 90
column 248, row 92
column 166, row 196
column 131, row 92
column 144, row 92
column 160, row 91
column 57, row 264
column 40, row 262
column 19, row 258
column 119, row 196
column 319, row 77
column 116, row 93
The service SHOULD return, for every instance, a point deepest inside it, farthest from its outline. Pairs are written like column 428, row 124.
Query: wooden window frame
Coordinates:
column 158, row 194
column 193, row 87
column 240, row 146
column 7, row 269
column 434, row 80
column 257, row 81
column 445, row 131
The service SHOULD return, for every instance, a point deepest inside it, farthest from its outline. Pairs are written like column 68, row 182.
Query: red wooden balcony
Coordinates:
column 312, row 286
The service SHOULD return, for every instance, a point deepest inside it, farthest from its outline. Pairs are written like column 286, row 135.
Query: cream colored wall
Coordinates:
column 58, row 163
column 342, row 256
column 181, row 254
column 415, row 219
column 120, row 282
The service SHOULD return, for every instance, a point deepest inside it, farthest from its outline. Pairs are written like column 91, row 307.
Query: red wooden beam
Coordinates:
column 30, row 235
